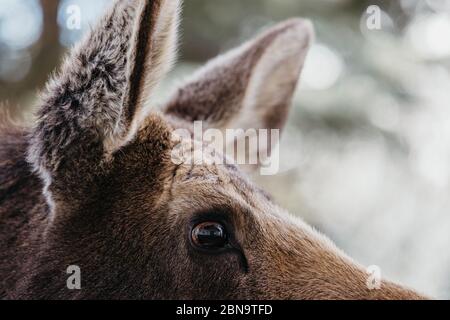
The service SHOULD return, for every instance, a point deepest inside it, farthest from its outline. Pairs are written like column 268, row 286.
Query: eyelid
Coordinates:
column 221, row 215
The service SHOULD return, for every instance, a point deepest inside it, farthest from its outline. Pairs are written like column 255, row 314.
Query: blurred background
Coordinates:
column 366, row 156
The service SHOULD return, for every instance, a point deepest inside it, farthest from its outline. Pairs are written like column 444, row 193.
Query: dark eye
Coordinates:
column 209, row 235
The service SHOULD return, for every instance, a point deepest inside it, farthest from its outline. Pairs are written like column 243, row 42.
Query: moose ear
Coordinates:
column 93, row 105
column 152, row 54
column 251, row 86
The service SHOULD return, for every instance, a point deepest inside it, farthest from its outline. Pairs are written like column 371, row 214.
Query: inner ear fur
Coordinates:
column 251, row 86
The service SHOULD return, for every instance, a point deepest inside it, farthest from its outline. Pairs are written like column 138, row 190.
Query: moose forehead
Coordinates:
column 216, row 189
column 223, row 177
column 184, row 188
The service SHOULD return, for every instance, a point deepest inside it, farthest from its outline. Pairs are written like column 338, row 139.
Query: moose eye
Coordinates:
column 209, row 235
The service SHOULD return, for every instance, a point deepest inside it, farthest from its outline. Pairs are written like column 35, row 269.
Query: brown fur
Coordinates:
column 99, row 189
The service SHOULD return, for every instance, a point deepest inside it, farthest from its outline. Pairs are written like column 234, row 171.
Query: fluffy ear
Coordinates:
column 91, row 107
column 152, row 54
column 251, row 86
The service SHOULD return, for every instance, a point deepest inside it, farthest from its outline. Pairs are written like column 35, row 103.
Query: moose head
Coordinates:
column 138, row 224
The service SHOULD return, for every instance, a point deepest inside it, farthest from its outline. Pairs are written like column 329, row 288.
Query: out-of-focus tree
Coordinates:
column 45, row 55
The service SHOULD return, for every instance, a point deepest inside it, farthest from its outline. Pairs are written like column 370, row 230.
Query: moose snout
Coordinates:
column 303, row 264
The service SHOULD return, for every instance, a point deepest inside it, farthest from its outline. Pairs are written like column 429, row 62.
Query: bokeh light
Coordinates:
column 20, row 23
column 323, row 68
column 428, row 35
